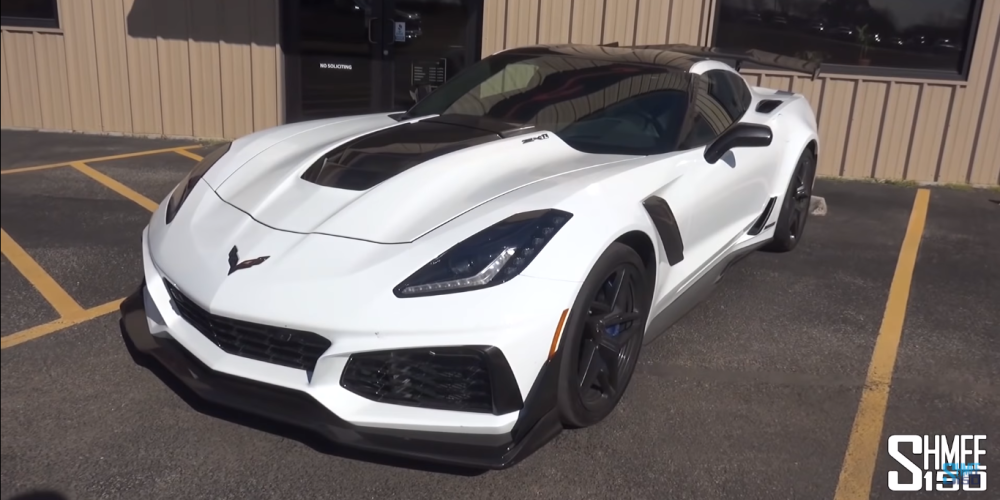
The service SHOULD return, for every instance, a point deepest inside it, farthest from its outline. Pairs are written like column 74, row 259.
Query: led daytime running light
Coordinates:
column 481, row 278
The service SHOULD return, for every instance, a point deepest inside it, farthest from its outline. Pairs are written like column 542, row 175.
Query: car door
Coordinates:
column 713, row 203
column 733, row 191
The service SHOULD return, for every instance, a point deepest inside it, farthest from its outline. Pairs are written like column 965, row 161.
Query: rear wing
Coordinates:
column 753, row 56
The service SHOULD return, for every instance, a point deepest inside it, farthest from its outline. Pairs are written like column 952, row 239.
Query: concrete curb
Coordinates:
column 817, row 205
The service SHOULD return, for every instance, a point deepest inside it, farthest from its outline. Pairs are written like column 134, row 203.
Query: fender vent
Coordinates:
column 768, row 105
column 758, row 225
column 666, row 225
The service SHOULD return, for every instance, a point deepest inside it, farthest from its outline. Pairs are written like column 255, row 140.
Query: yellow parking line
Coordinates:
column 184, row 152
column 862, row 450
column 115, row 186
column 59, row 324
column 101, row 158
column 53, row 293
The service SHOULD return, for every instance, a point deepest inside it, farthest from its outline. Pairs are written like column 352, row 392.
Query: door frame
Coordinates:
column 291, row 51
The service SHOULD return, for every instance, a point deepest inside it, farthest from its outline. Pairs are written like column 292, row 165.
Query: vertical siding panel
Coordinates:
column 23, row 74
column 864, row 129
column 811, row 89
column 685, row 18
column 553, row 21
column 206, row 80
column 987, row 161
column 494, row 25
column 928, row 135
column 143, row 73
column 236, row 76
column 84, row 92
column 896, row 131
column 279, row 66
column 175, row 67
column 619, row 22
column 709, row 14
column 834, row 116
column 588, row 17
column 654, row 22
column 777, row 82
column 5, row 118
column 53, row 87
column 753, row 79
column 522, row 23
column 264, row 64
column 112, row 65
column 969, row 100
column 958, row 143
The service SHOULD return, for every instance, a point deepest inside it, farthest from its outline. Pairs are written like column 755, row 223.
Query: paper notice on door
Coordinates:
column 400, row 31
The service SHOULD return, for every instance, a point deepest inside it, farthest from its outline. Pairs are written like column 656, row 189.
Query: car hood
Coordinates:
column 383, row 181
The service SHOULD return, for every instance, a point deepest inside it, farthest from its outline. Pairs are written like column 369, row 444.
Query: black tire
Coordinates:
column 794, row 212
column 585, row 406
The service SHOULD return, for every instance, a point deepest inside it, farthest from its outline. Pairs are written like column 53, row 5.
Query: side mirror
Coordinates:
column 741, row 135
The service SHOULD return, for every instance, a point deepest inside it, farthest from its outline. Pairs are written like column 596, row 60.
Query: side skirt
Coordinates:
column 695, row 294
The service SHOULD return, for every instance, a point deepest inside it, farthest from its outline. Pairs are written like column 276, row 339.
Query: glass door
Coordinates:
column 348, row 57
column 441, row 38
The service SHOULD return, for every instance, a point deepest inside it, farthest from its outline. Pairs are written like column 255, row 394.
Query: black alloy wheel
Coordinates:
column 603, row 338
column 801, row 198
column 794, row 212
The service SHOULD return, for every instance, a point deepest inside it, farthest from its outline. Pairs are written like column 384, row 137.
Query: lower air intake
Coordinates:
column 472, row 379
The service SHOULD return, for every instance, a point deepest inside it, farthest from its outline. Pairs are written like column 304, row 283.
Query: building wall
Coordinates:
column 202, row 68
column 871, row 127
column 212, row 68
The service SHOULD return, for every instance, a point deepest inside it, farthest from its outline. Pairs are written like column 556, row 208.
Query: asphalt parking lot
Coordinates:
column 764, row 391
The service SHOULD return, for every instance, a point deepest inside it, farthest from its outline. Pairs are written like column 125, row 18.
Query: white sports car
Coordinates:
column 459, row 282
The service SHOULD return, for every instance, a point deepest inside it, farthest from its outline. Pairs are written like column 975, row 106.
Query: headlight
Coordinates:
column 490, row 257
column 188, row 183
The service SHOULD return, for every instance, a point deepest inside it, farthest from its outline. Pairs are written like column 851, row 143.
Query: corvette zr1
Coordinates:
column 461, row 281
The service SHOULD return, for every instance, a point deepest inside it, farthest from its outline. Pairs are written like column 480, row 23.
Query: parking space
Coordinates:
column 776, row 387
column 70, row 224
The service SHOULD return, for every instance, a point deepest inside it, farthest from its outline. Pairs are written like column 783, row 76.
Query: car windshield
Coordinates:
column 595, row 106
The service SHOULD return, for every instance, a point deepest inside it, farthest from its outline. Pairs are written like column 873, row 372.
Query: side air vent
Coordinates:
column 758, row 225
column 666, row 225
column 768, row 105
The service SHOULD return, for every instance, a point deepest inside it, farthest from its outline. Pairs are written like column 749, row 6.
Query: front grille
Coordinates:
column 452, row 378
column 271, row 344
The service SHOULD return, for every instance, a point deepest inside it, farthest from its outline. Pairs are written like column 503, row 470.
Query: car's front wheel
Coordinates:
column 603, row 337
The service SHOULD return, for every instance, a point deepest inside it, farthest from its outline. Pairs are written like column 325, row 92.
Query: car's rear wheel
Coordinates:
column 794, row 212
column 603, row 337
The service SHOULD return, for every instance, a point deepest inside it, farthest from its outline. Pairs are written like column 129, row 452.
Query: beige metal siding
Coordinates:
column 112, row 65
column 886, row 128
column 204, row 68
column 5, row 113
column 53, row 86
column 22, row 79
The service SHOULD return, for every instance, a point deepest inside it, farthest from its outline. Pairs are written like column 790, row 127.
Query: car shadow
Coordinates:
column 306, row 437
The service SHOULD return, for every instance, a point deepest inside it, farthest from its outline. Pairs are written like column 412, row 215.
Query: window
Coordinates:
column 32, row 13
column 512, row 78
column 730, row 90
column 865, row 36
column 721, row 102
column 594, row 105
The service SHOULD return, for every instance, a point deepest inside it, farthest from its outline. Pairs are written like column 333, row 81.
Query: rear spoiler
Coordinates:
column 753, row 56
